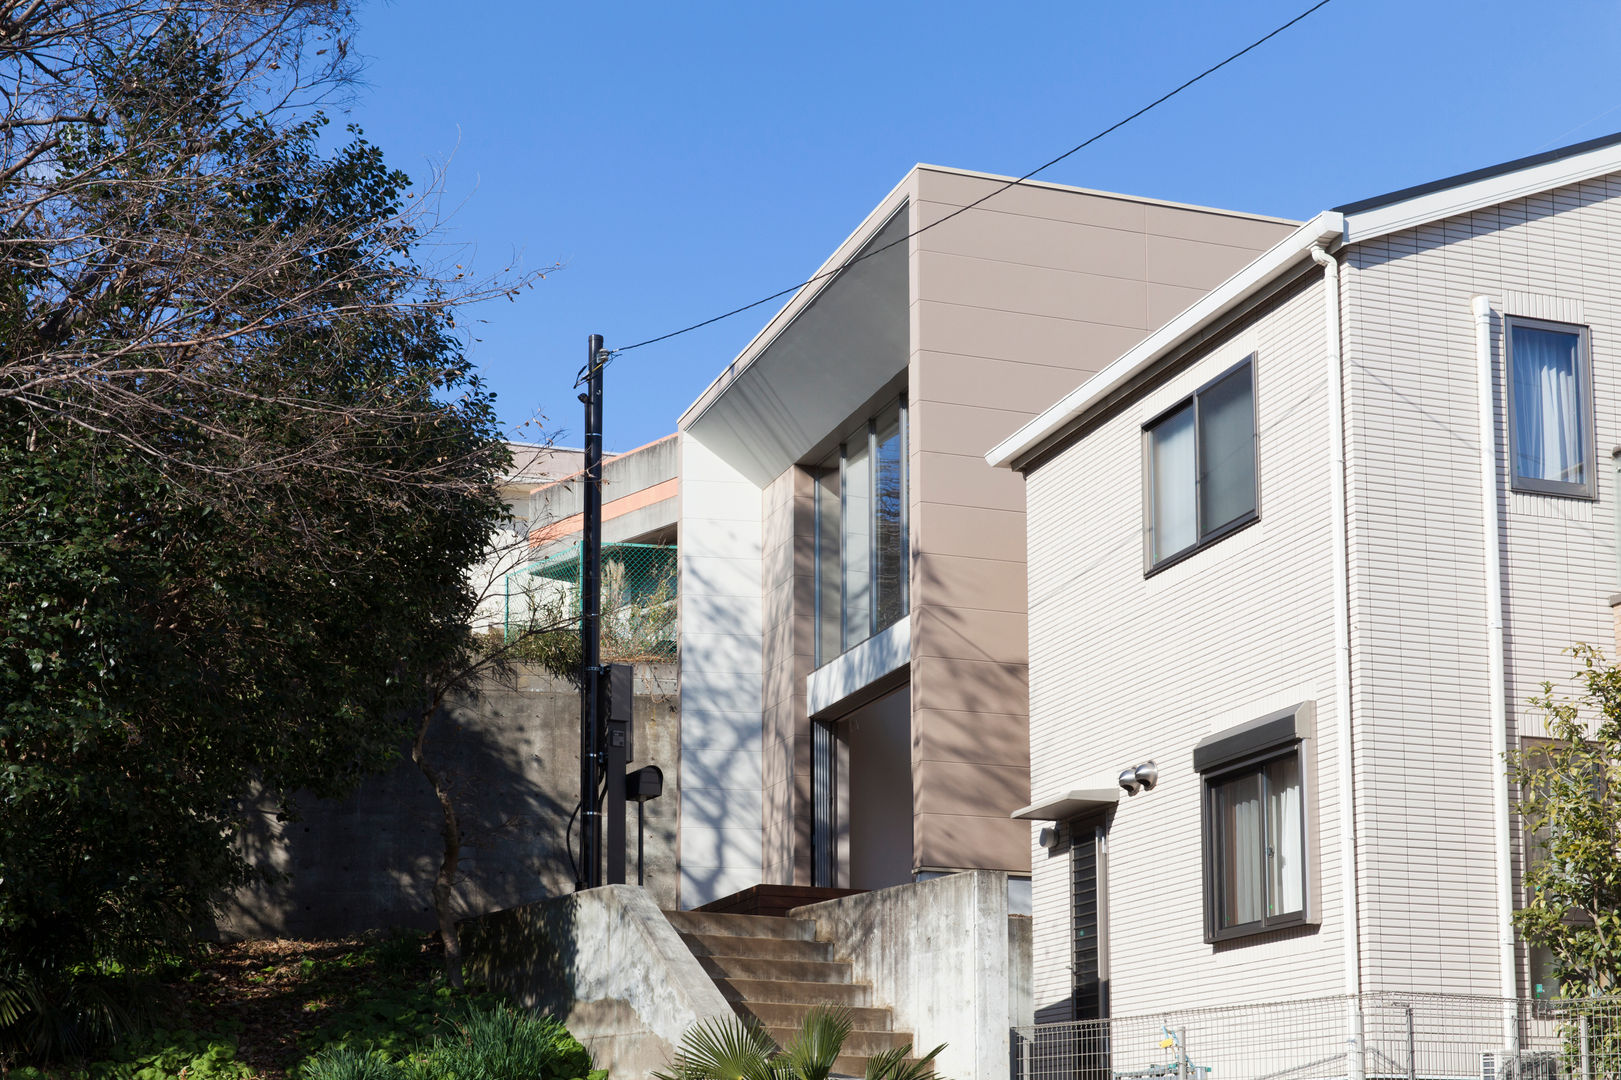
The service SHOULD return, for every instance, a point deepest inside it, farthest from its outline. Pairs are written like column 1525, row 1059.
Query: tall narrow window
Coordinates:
column 857, row 547
column 863, row 562
column 1201, row 466
column 889, row 520
column 1550, row 408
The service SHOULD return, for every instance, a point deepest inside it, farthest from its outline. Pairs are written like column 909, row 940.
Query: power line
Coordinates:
column 1117, row 125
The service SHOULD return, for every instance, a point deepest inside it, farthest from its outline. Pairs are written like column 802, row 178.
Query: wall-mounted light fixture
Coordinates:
column 1141, row 778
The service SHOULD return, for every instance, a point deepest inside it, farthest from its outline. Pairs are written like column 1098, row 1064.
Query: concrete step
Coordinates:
column 750, row 967
column 791, row 1015
column 851, row 995
column 853, row 1065
column 763, row 948
column 859, row 1043
column 751, row 926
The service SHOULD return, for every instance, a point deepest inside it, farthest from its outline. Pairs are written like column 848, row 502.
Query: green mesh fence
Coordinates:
column 638, row 597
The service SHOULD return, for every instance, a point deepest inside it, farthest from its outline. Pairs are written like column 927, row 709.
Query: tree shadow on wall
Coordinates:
column 368, row 862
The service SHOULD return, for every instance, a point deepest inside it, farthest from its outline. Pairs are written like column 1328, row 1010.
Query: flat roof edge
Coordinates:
column 1327, row 228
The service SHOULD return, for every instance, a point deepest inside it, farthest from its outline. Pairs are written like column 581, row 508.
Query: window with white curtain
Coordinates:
column 1201, row 467
column 1550, row 408
column 1255, row 847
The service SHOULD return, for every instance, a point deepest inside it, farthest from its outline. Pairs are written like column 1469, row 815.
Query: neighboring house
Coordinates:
column 853, row 687
column 640, row 493
column 1376, row 505
column 533, row 465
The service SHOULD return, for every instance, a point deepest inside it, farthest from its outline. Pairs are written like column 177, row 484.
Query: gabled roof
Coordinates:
column 1349, row 224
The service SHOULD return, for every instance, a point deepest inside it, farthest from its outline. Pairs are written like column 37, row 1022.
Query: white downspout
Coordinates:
column 1496, row 691
column 1342, row 656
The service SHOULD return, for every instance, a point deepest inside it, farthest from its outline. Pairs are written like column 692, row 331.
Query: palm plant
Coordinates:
column 733, row 1049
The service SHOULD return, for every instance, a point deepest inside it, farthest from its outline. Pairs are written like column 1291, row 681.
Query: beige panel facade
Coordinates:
column 1017, row 302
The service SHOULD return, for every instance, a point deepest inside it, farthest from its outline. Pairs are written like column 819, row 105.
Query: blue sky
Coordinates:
column 681, row 160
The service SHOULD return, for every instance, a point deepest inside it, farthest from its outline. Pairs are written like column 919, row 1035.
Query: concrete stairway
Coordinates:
column 773, row 970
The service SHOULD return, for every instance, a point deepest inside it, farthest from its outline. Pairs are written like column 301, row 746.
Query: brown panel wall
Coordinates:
column 787, row 579
column 1014, row 304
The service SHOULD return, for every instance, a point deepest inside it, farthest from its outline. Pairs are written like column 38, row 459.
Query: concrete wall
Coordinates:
column 936, row 953
column 721, row 694
column 608, row 964
column 1013, row 304
column 1128, row 668
column 512, row 753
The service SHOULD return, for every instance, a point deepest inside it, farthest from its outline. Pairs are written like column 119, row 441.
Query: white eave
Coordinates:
column 1326, row 228
column 1462, row 194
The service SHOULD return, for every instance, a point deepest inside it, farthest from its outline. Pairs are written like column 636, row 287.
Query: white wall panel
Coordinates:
column 720, row 677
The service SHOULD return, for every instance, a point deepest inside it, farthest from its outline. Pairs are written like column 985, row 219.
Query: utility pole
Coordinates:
column 591, row 624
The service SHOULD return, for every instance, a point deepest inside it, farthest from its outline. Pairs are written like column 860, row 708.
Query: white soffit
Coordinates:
column 1460, row 195
column 1095, row 794
column 1326, row 229
column 827, row 362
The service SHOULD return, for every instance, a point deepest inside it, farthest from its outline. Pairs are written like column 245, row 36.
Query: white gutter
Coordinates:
column 1326, row 228
column 1496, row 691
column 1344, row 744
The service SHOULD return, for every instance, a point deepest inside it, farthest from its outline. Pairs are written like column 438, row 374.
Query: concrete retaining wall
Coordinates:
column 608, row 964
column 940, row 954
column 512, row 753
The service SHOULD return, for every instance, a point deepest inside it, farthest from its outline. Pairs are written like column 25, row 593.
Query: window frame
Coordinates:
column 1535, row 485
column 1209, row 843
column 1203, row 538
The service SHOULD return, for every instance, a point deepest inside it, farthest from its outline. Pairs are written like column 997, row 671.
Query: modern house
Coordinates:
column 1297, row 560
column 852, row 573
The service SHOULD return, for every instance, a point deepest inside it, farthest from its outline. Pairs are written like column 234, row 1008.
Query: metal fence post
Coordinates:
column 1357, row 1057
column 1587, row 1047
column 1412, row 1057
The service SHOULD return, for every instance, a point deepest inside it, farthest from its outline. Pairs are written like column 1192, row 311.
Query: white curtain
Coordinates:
column 1549, row 439
column 1176, row 523
column 1285, row 839
column 1243, row 876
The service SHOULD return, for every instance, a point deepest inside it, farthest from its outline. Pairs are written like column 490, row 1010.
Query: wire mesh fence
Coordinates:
column 638, row 601
column 1370, row 1037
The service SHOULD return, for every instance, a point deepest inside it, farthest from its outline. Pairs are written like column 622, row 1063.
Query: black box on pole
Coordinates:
column 618, row 687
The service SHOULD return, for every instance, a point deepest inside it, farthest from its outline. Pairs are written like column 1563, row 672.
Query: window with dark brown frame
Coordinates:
column 1255, row 846
column 1201, row 466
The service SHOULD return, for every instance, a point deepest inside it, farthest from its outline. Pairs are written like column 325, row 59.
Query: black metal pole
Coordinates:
column 639, row 806
column 590, row 622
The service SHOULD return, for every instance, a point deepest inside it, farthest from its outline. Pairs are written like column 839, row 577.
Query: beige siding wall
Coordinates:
column 1418, row 548
column 1127, row 669
column 788, row 581
column 1013, row 305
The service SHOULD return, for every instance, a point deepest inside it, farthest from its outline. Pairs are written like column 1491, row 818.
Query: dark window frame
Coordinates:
column 1203, row 538
column 1535, row 485
column 1210, row 841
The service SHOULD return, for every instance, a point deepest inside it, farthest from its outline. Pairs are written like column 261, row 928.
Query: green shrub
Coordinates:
column 497, row 1043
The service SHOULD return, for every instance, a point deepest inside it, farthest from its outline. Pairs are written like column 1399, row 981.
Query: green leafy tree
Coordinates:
column 244, row 469
column 1570, row 807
